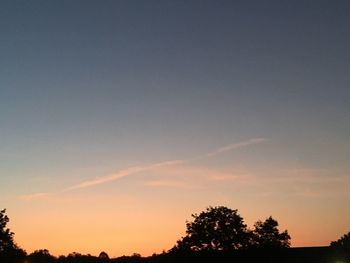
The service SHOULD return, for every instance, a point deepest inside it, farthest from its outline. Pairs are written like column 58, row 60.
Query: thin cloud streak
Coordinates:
column 234, row 146
column 137, row 169
column 35, row 196
column 166, row 183
column 122, row 173
column 141, row 168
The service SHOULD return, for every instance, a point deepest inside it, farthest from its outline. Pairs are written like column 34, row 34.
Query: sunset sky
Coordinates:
column 119, row 119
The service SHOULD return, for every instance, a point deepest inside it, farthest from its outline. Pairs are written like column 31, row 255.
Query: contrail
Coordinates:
column 136, row 169
column 233, row 146
column 121, row 174
column 34, row 196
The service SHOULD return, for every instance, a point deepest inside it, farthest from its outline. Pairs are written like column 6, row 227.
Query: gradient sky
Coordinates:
column 118, row 119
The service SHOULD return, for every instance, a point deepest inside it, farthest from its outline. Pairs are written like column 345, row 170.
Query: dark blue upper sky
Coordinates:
column 173, row 74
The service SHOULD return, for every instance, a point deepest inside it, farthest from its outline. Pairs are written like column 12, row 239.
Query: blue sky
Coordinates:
column 90, row 88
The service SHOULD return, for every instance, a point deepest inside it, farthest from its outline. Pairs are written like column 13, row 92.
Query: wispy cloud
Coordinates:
column 137, row 169
column 122, row 173
column 141, row 168
column 225, row 178
column 35, row 196
column 166, row 183
column 234, row 146
column 186, row 172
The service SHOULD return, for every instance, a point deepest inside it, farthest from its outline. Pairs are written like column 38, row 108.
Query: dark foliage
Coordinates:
column 217, row 228
column 6, row 236
column 103, row 255
column 341, row 247
column 342, row 243
column 221, row 228
column 41, row 256
column 267, row 235
column 9, row 251
column 79, row 258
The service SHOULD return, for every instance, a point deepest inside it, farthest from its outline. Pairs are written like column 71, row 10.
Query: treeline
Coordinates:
column 258, row 255
column 217, row 234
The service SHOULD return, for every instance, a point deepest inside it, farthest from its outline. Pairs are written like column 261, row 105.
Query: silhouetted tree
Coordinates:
column 217, row 228
column 9, row 251
column 41, row 256
column 79, row 258
column 6, row 236
column 267, row 235
column 136, row 255
column 103, row 257
column 343, row 243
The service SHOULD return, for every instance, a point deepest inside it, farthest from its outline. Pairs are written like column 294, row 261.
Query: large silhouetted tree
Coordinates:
column 9, row 251
column 217, row 228
column 267, row 235
column 343, row 243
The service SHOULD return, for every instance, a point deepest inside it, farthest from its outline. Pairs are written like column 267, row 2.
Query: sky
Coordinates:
column 119, row 119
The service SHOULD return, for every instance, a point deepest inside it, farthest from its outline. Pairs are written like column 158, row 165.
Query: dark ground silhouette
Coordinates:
column 286, row 255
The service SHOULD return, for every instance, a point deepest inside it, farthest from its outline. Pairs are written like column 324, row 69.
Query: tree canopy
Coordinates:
column 217, row 228
column 41, row 256
column 222, row 228
column 6, row 236
column 343, row 243
column 267, row 235
column 9, row 251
